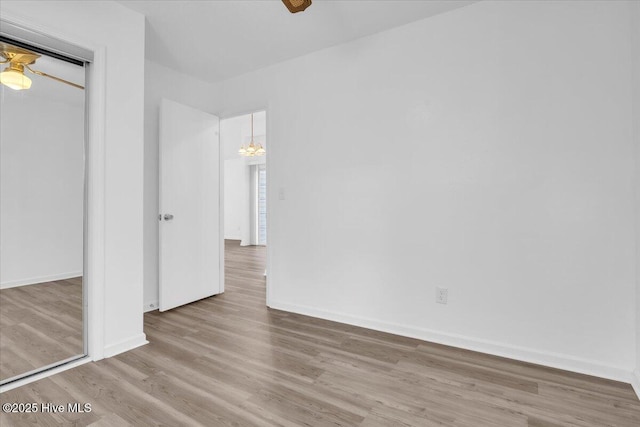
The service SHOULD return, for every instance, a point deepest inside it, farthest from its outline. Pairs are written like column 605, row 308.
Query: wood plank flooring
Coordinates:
column 40, row 324
column 230, row 361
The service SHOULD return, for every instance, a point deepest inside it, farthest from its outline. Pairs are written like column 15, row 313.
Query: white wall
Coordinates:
column 236, row 200
column 41, row 186
column 234, row 132
column 487, row 150
column 117, row 35
column 162, row 82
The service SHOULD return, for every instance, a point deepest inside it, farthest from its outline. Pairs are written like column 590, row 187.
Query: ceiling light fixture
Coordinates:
column 19, row 59
column 295, row 6
column 252, row 149
column 13, row 77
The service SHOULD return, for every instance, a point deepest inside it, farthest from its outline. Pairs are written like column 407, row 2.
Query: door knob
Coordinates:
column 168, row 217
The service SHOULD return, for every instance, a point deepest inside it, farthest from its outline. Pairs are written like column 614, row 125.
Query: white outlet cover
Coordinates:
column 442, row 295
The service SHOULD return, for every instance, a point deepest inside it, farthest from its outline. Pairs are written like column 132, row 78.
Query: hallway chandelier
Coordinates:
column 252, row 149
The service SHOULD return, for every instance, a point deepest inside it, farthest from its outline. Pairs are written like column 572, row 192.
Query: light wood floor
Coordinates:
column 39, row 325
column 229, row 361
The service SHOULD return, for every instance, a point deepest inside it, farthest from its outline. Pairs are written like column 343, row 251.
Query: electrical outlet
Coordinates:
column 442, row 294
column 281, row 193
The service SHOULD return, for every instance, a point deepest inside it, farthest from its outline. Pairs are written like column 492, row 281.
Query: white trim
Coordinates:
column 150, row 306
column 45, row 374
column 221, row 236
column 553, row 360
column 41, row 279
column 96, row 204
column 125, row 345
column 635, row 382
column 270, row 202
column 44, row 41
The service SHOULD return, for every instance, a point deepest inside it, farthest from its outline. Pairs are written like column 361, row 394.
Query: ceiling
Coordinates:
column 216, row 40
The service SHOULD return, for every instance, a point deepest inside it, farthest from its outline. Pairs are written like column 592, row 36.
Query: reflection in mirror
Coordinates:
column 42, row 132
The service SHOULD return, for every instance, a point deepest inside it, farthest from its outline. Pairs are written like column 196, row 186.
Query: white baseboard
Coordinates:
column 40, row 279
column 150, row 306
column 125, row 345
column 553, row 360
column 635, row 382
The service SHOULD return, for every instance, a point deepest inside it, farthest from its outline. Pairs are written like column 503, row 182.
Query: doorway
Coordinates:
column 244, row 149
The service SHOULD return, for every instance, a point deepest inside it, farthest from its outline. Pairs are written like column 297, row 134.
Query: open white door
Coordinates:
column 190, row 243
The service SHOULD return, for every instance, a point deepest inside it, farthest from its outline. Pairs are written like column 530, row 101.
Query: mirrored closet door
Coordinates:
column 42, row 213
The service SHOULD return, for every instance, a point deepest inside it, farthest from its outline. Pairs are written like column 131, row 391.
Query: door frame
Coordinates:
column 94, row 193
column 230, row 115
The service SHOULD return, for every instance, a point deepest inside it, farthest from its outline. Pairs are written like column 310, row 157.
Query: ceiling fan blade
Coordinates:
column 58, row 79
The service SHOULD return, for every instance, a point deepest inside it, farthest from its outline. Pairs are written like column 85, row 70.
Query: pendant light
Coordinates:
column 252, row 149
column 13, row 77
